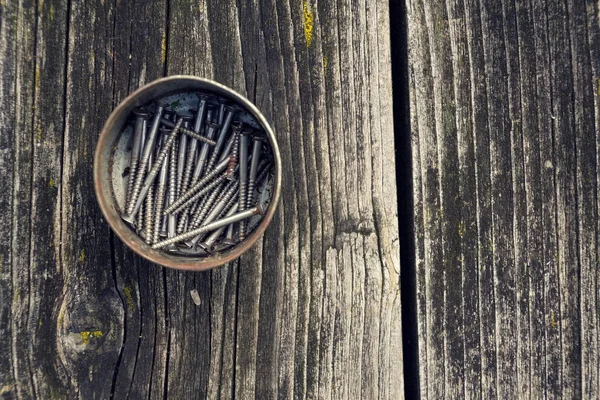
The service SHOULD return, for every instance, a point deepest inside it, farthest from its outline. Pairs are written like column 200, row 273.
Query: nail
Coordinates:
column 196, row 187
column 148, row 148
column 210, row 132
column 156, row 166
column 188, row 132
column 256, row 153
column 239, row 216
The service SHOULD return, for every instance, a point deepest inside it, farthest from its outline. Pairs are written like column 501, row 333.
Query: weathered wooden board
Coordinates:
column 312, row 311
column 505, row 100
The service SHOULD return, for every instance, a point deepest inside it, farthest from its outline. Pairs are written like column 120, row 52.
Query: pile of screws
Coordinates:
column 193, row 177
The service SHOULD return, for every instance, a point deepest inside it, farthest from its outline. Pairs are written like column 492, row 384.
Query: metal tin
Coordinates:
column 107, row 143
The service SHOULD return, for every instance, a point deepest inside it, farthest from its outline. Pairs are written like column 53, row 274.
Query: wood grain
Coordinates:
column 505, row 126
column 312, row 311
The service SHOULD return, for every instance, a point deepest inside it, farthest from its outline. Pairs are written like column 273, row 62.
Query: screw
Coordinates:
column 231, row 111
column 148, row 147
column 141, row 116
column 233, row 157
column 210, row 132
column 196, row 187
column 156, row 166
column 186, row 205
column 225, row 201
column 208, row 244
column 188, row 132
column 237, row 217
column 160, row 197
column 198, row 125
column 256, row 152
column 181, row 156
column 243, row 178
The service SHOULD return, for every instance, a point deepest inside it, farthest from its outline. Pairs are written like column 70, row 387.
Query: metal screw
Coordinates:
column 188, row 132
column 155, row 168
column 243, row 179
column 210, row 132
column 231, row 111
column 141, row 116
column 160, row 197
column 196, row 187
column 256, row 153
column 148, row 148
column 198, row 125
column 237, row 217
column 181, row 156
column 208, row 244
column 233, row 157
column 214, row 184
column 229, row 192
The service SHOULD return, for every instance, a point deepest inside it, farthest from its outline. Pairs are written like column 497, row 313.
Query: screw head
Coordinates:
column 141, row 112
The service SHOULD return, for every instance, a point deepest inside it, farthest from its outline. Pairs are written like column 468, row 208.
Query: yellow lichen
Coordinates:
column 325, row 63
column 553, row 322
column 598, row 86
column 37, row 76
column 460, row 232
column 39, row 133
column 87, row 335
column 163, row 48
column 82, row 256
column 40, row 323
column 128, row 296
column 309, row 19
column 51, row 12
column 52, row 183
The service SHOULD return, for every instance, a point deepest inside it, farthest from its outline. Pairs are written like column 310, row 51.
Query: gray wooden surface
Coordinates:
column 505, row 117
column 313, row 311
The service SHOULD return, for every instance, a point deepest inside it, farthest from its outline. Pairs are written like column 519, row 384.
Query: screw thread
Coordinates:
column 240, row 216
column 137, row 186
column 189, row 132
column 148, row 225
column 206, row 208
column 181, row 157
column 233, row 158
column 196, row 196
column 132, row 176
column 250, row 194
column 172, row 175
column 160, row 200
column 183, row 219
column 242, row 207
column 183, row 199
column 189, row 164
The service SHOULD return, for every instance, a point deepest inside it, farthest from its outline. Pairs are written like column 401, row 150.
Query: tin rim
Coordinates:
column 108, row 139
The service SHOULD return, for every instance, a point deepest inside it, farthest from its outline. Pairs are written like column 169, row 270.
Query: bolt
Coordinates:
column 156, row 166
column 196, row 187
column 148, row 147
column 256, row 152
column 237, row 217
column 188, row 132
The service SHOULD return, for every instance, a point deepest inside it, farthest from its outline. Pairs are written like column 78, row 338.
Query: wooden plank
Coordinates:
column 312, row 311
column 505, row 158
